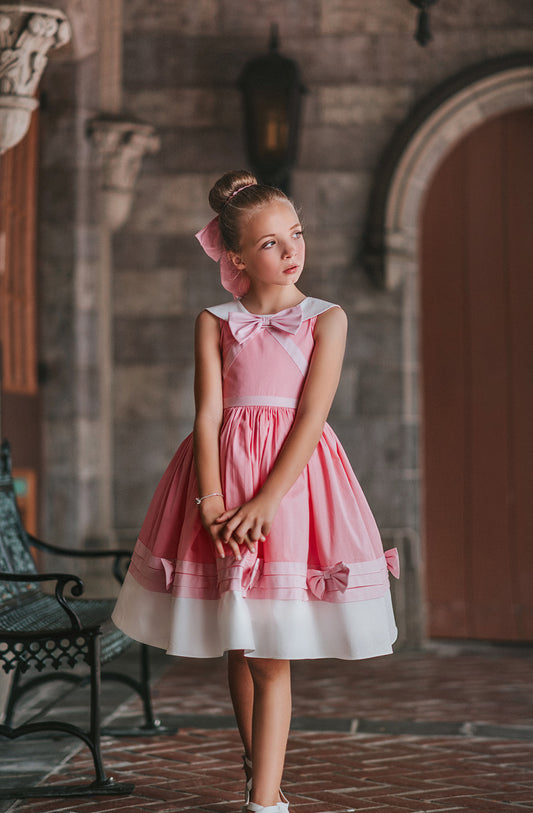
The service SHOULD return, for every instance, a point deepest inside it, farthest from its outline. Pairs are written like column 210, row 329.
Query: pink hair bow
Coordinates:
column 211, row 241
column 337, row 576
column 393, row 562
column 246, row 325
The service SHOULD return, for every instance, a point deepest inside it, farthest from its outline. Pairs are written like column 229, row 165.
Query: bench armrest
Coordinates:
column 61, row 580
column 118, row 554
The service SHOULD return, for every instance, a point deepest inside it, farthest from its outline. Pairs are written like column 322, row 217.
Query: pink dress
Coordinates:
column 318, row 587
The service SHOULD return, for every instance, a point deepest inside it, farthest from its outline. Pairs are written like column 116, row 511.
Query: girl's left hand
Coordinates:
column 248, row 523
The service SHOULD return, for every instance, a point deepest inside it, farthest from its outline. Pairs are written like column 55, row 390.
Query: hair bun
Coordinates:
column 227, row 186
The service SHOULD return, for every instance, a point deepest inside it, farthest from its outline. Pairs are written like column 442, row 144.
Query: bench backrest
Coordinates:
column 15, row 556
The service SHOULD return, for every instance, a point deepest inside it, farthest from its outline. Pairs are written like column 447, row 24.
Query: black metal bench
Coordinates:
column 59, row 630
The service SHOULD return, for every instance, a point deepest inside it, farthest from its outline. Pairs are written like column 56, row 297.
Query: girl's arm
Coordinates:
column 253, row 519
column 207, row 423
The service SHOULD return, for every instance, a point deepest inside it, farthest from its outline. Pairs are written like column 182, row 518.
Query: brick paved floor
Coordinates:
column 369, row 736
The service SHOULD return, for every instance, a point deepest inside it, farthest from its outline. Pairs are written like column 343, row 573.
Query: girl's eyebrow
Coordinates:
column 296, row 226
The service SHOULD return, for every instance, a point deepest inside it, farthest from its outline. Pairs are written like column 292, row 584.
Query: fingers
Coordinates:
column 219, row 548
column 227, row 515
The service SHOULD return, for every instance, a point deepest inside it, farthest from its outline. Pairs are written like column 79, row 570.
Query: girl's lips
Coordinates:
column 291, row 270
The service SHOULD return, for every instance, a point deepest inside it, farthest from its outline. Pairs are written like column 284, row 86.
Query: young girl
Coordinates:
column 258, row 540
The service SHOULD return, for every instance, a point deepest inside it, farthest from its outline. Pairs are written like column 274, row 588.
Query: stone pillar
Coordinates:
column 121, row 146
column 27, row 34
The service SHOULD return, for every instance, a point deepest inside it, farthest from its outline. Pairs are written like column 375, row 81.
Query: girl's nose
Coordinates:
column 288, row 249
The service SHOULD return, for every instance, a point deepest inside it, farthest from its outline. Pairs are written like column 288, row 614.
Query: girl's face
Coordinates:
column 272, row 251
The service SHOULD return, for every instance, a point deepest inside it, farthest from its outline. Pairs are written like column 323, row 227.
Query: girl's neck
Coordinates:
column 263, row 302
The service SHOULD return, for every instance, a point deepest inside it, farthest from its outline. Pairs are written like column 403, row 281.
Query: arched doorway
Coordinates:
column 392, row 248
column 476, row 308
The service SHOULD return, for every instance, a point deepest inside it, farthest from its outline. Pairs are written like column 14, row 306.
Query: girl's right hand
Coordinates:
column 209, row 511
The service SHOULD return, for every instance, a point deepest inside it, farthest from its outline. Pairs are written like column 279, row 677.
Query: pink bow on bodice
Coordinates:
column 337, row 576
column 246, row 325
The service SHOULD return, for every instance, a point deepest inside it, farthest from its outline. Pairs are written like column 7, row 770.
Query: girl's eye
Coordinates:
column 269, row 244
column 298, row 234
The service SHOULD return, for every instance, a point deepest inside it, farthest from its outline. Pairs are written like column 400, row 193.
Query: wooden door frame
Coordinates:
column 392, row 237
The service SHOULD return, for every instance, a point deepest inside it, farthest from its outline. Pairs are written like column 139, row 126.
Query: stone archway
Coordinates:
column 391, row 251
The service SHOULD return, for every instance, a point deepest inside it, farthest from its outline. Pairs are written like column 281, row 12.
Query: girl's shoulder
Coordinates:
column 310, row 307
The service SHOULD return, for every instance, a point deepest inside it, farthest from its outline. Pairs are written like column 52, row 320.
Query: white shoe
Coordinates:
column 246, row 763
column 251, row 807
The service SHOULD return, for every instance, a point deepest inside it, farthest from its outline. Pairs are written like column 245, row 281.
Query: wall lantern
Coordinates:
column 423, row 33
column 272, row 90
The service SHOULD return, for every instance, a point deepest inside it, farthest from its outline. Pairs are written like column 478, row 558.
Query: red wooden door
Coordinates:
column 477, row 371
column 19, row 406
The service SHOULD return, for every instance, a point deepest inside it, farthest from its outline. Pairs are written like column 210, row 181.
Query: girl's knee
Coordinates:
column 268, row 669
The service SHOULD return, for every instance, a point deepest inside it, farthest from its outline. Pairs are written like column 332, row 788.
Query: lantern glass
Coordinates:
column 272, row 90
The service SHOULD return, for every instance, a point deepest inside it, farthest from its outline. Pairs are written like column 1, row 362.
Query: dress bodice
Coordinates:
column 266, row 357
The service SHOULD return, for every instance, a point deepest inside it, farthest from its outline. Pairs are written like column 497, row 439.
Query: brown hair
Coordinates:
column 231, row 200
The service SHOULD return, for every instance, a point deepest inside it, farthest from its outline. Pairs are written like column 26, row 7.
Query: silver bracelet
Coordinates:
column 198, row 500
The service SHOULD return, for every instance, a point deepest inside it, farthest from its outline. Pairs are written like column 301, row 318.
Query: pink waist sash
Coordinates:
column 260, row 400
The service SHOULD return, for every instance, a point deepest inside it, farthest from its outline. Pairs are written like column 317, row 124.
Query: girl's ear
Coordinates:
column 237, row 261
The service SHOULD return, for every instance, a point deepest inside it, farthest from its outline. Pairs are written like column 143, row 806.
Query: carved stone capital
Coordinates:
column 121, row 146
column 27, row 33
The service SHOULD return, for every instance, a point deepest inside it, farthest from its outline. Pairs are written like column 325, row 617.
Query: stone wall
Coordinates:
column 364, row 73
column 68, row 268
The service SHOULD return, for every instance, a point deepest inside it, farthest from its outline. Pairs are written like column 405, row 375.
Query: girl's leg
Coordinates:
column 241, row 690
column 270, row 726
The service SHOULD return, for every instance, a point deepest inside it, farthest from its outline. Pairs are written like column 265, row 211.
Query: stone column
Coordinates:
column 27, row 34
column 121, row 146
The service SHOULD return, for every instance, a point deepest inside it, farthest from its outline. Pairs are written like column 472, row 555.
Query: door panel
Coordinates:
column 477, row 306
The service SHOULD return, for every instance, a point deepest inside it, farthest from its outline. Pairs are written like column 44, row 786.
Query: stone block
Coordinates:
column 380, row 390
column 342, row 198
column 88, row 403
column 154, row 392
column 63, row 145
column 136, row 251
column 339, row 58
column 329, row 249
column 57, row 196
column 345, row 16
column 57, row 391
column 375, row 339
column 86, row 285
column 155, row 340
column 88, row 435
column 203, row 287
column 56, row 289
column 60, row 446
column 343, row 105
column 475, row 14
column 161, row 292
column 59, row 515
column 188, row 17
column 412, row 448
column 182, row 250
column 207, row 150
column 392, row 499
column 350, row 148
column 56, row 335
column 87, row 331
column 170, row 204
column 373, row 444
column 167, row 59
column 296, row 18
column 362, row 297
column 180, row 107
column 343, row 406
column 142, row 451
column 58, row 84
